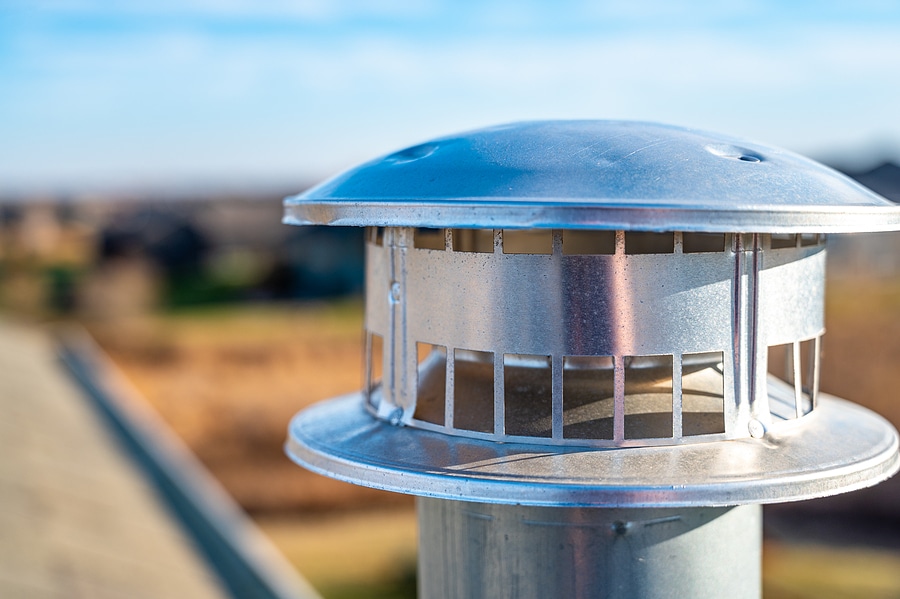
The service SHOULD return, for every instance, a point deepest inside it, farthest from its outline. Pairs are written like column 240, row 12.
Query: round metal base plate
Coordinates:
column 837, row 448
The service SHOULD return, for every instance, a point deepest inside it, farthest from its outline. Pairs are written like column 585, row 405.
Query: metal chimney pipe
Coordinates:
column 599, row 348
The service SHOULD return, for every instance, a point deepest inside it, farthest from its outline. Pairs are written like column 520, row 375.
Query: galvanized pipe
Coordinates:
column 522, row 552
column 574, row 321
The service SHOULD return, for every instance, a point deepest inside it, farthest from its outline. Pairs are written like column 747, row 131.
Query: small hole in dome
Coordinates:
column 413, row 153
column 734, row 152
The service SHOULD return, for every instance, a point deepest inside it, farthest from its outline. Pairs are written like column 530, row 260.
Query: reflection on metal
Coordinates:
column 568, row 552
column 662, row 317
column 610, row 175
column 587, row 315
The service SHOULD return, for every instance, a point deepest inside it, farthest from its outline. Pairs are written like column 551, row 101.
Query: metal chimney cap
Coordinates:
column 596, row 175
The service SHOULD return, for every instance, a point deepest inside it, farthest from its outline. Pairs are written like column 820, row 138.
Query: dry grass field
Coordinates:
column 228, row 381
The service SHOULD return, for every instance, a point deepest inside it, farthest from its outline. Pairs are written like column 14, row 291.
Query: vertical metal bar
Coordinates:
column 557, row 242
column 388, row 374
column 556, row 374
column 556, row 361
column 753, row 358
column 618, row 398
column 450, row 388
column 400, row 361
column 677, row 396
column 817, row 363
column 798, row 381
column 677, row 392
column 788, row 374
column 499, row 395
column 620, row 243
column 619, row 361
column 737, row 317
column 367, row 365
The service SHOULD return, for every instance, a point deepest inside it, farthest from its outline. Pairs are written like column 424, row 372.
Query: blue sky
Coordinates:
column 163, row 94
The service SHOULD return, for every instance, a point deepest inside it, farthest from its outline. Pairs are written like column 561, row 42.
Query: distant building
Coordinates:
column 872, row 254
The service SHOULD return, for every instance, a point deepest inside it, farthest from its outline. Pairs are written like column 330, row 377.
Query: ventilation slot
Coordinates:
column 373, row 367
column 649, row 243
column 793, row 381
column 375, row 235
column 473, row 240
column 429, row 239
column 537, row 241
column 809, row 239
column 431, row 388
column 579, row 243
column 588, row 398
column 702, row 394
column 473, row 390
column 697, row 243
column 527, row 388
column 648, row 397
column 782, row 240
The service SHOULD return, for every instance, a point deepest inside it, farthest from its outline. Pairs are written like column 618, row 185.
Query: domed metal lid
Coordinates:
column 595, row 175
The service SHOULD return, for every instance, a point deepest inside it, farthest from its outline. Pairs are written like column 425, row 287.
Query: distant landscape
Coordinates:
column 229, row 322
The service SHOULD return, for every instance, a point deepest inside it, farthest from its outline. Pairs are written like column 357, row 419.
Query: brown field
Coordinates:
column 228, row 381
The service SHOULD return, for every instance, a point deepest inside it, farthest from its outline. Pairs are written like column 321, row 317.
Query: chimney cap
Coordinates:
column 596, row 175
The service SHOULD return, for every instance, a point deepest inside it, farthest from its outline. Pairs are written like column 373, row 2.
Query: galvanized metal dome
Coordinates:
column 652, row 338
column 613, row 175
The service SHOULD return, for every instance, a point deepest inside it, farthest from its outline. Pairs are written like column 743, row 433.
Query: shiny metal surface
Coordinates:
column 576, row 315
column 595, row 175
column 838, row 447
column 516, row 552
column 621, row 308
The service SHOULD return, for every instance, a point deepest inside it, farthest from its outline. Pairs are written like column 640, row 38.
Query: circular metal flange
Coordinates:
column 839, row 447
column 596, row 175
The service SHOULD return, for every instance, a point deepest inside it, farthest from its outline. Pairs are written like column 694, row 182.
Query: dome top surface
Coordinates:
column 595, row 175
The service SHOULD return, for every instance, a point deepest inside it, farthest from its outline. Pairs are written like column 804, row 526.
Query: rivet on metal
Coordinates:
column 756, row 428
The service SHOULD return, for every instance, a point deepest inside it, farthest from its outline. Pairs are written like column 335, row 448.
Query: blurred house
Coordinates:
column 114, row 258
column 872, row 255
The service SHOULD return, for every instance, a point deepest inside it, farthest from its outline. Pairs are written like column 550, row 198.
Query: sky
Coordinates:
column 112, row 96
